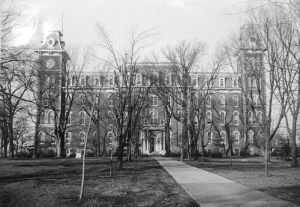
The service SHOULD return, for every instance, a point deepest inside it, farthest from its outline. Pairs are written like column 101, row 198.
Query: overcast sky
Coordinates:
column 208, row 20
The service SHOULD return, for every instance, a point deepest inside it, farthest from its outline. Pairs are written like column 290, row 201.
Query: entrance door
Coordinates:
column 152, row 144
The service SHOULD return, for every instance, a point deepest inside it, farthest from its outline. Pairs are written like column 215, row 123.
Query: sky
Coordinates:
column 208, row 20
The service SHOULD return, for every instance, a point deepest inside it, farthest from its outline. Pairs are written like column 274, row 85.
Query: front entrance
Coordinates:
column 153, row 138
column 152, row 141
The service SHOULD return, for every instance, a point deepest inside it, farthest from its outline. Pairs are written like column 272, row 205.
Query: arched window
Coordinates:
column 208, row 117
column 254, row 100
column 42, row 137
column 154, row 100
column 236, row 118
column 110, row 137
column 50, row 117
column 69, row 117
column 250, row 117
column 168, row 79
column 53, row 140
column 68, row 138
column 223, row 136
column 154, row 116
column 82, row 81
column 194, row 81
column 111, row 100
column 82, row 117
column 138, row 79
column 236, row 137
column 259, row 116
column 208, row 101
column 209, row 137
column 222, row 99
column 82, row 137
column 250, row 136
column 235, row 101
column 82, row 99
column 97, row 81
column 234, row 82
column 180, row 136
column 222, row 117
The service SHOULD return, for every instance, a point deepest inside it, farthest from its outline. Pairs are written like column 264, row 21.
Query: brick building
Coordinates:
column 233, row 101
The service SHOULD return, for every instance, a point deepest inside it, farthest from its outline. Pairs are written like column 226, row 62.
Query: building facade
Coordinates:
column 233, row 105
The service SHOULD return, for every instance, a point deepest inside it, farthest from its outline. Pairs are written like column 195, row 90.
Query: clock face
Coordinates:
column 50, row 63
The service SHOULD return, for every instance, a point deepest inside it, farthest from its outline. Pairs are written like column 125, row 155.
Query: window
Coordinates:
column 194, row 82
column 82, row 81
column 82, row 137
column 254, row 100
column 208, row 117
column 82, row 117
column 236, row 137
column 208, row 101
column 180, row 136
column 53, row 140
column 209, row 82
column 69, row 117
column 222, row 99
column 209, row 137
column 259, row 117
column 234, row 82
column 154, row 100
column 223, row 136
column 237, row 152
column 50, row 117
column 97, row 81
column 42, row 137
column 169, row 100
column 111, row 100
column 82, row 99
column 236, row 117
column 252, row 82
column 154, row 116
column 222, row 82
column 110, row 137
column 235, row 101
column 258, row 100
column 111, row 80
column 69, row 81
column 250, row 118
column 138, row 79
column 68, row 138
column 222, row 116
column 168, row 79
column 250, row 136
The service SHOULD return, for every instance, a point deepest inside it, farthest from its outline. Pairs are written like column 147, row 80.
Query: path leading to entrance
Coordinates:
column 211, row 190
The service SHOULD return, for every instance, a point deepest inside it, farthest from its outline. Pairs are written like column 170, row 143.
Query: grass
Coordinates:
column 283, row 181
column 56, row 182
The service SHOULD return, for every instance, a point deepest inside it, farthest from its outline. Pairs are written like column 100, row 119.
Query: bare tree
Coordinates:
column 126, row 96
column 183, row 59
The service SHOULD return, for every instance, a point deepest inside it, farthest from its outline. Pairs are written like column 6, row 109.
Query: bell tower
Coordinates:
column 51, row 80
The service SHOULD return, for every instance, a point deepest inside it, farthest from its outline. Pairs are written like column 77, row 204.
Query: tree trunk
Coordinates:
column 98, row 141
column 120, row 157
column 104, row 154
column 58, row 147
column 36, row 136
column 11, row 136
column 62, row 144
column 5, row 130
column 167, row 138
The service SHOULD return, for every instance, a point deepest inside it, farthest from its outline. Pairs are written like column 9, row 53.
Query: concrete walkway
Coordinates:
column 212, row 190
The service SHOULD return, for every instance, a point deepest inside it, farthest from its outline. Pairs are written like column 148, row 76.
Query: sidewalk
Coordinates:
column 211, row 190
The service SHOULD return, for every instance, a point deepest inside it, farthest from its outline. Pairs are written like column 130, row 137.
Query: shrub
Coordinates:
column 216, row 154
column 244, row 153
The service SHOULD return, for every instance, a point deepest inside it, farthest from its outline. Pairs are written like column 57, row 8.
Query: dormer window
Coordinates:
column 222, row 82
column 138, row 79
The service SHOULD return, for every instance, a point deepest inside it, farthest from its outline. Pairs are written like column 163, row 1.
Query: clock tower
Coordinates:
column 51, row 79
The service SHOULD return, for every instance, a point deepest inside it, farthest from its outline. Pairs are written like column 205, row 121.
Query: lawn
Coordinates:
column 283, row 181
column 56, row 182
